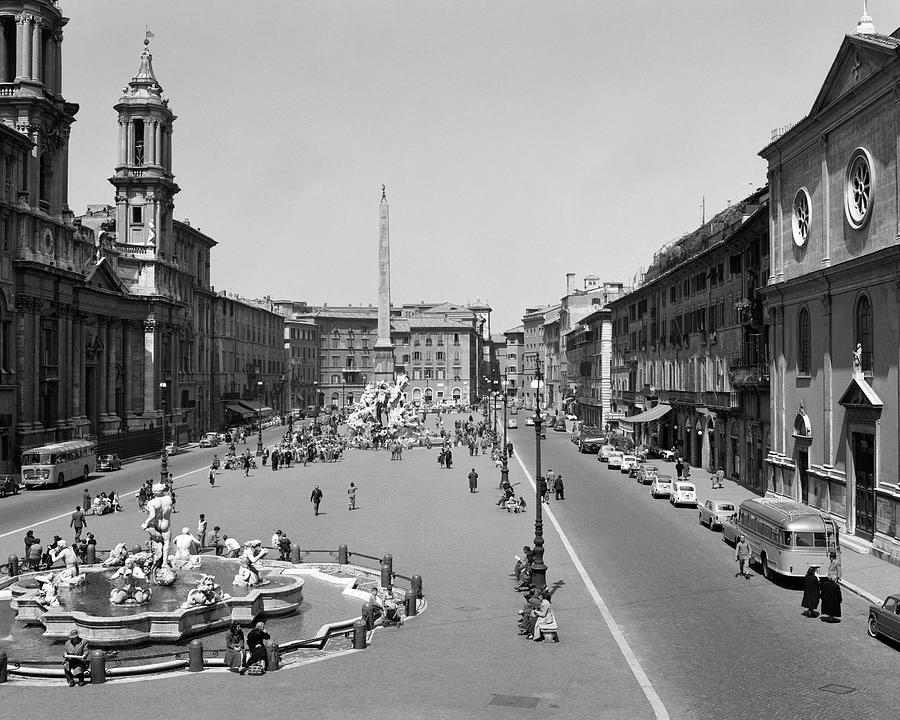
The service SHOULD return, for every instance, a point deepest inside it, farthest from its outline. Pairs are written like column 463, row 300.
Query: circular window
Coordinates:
column 858, row 196
column 800, row 220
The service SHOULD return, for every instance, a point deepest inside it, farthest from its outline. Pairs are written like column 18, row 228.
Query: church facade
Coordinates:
column 833, row 295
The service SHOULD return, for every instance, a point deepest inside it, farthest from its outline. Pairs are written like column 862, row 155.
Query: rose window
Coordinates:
column 860, row 183
column 800, row 220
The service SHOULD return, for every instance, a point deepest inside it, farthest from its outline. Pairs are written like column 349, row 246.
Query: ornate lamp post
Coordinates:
column 259, row 387
column 316, row 394
column 164, row 457
column 504, row 470
column 538, row 569
column 343, row 386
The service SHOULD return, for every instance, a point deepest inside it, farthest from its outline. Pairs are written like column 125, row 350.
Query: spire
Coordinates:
column 865, row 26
column 145, row 79
column 383, row 194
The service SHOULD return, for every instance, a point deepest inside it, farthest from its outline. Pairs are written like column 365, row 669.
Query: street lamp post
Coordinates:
column 504, row 469
column 164, row 458
column 316, row 394
column 538, row 568
column 259, row 387
column 343, row 386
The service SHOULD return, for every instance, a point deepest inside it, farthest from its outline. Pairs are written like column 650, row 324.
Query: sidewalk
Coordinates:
column 865, row 575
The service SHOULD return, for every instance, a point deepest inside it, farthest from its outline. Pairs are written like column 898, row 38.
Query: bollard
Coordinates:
column 274, row 652
column 342, row 554
column 368, row 615
column 295, row 553
column 415, row 585
column 13, row 561
column 359, row 635
column 387, row 571
column 97, row 660
column 2, row 667
column 195, row 656
column 90, row 556
column 411, row 604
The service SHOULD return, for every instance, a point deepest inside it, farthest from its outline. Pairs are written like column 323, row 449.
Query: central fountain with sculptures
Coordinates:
column 149, row 595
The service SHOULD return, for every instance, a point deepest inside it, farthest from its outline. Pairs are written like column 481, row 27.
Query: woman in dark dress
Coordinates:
column 811, row 592
column 234, row 647
column 831, row 599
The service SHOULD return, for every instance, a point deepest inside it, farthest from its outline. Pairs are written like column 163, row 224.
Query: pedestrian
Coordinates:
column 215, row 541
column 831, row 599
column 441, row 456
column 473, row 481
column 86, row 499
column 212, row 476
column 549, row 482
column 448, row 458
column 509, row 449
column 201, row 531
column 719, row 481
column 558, row 489
column 315, row 498
column 834, row 567
column 78, row 522
column 351, row 497
column 679, row 469
column 742, row 556
column 35, row 554
column 246, row 464
column 811, row 592
column 30, row 540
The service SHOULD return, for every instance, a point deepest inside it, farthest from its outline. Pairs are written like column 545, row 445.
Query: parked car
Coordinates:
column 647, row 473
column 683, row 493
column 604, row 451
column 210, row 439
column 884, row 619
column 714, row 513
column 730, row 530
column 661, row 486
column 559, row 426
column 109, row 462
column 614, row 460
column 590, row 443
column 8, row 486
column 628, row 462
column 529, row 420
column 512, row 423
column 668, row 455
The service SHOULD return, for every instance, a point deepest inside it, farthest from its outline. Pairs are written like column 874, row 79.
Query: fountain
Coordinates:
column 114, row 605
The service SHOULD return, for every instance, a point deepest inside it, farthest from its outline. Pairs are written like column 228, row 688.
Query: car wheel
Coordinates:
column 872, row 626
column 85, row 473
column 764, row 562
column 60, row 479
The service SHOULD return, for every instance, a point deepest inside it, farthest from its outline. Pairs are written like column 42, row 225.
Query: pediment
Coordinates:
column 102, row 277
column 858, row 59
column 859, row 394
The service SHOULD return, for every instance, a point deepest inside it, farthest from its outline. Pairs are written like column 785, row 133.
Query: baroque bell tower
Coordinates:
column 145, row 185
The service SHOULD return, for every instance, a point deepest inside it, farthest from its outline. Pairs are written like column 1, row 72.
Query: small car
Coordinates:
column 210, row 439
column 590, row 444
column 529, row 420
column 560, row 426
column 661, row 486
column 714, row 513
column 683, row 493
column 884, row 619
column 109, row 462
column 668, row 455
column 512, row 423
column 604, row 451
column 628, row 462
column 647, row 473
column 730, row 530
column 614, row 460
column 8, row 486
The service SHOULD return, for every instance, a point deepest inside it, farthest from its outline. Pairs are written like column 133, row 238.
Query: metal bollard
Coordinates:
column 13, row 561
column 342, row 554
column 415, row 585
column 359, row 635
column 195, row 656
column 90, row 556
column 368, row 615
column 97, row 660
column 387, row 571
column 411, row 604
column 295, row 553
column 2, row 666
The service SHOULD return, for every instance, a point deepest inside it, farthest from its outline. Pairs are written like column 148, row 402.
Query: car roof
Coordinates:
column 664, row 477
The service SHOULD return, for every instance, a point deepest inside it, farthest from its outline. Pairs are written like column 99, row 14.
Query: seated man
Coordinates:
column 391, row 610
column 75, row 658
column 256, row 646
column 524, row 579
column 526, row 614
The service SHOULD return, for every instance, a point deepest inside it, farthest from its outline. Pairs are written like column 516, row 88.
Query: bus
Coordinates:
column 787, row 537
column 55, row 464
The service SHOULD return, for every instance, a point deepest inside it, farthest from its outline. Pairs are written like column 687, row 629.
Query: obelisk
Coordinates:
column 384, row 348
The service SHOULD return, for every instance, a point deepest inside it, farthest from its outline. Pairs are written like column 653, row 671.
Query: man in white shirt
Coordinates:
column 232, row 547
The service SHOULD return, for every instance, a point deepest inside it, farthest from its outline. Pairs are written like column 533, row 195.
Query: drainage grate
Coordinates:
column 838, row 689
column 517, row 701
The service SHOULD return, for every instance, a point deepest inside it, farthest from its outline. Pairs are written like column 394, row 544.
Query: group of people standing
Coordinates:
column 826, row 591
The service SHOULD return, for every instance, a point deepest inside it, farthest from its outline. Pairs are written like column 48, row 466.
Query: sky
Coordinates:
column 518, row 141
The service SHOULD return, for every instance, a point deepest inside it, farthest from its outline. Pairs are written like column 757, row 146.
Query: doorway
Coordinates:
column 803, row 474
column 864, row 474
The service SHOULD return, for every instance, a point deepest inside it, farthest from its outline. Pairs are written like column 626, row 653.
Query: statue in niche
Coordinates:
column 857, row 360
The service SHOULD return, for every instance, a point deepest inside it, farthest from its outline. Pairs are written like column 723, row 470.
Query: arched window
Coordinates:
column 803, row 342
column 457, row 394
column 864, row 331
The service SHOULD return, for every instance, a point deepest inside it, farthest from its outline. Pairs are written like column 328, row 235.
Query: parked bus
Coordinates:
column 786, row 537
column 55, row 464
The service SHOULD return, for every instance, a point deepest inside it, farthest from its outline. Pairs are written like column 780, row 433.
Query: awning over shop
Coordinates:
column 255, row 407
column 654, row 413
column 242, row 411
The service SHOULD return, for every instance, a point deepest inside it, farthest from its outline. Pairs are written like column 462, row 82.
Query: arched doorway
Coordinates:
column 417, row 396
column 429, row 395
column 457, row 394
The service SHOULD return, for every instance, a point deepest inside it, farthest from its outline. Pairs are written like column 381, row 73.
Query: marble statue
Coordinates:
column 71, row 576
column 207, row 592
column 186, row 548
column 47, row 595
column 158, row 522
column 130, row 592
column 857, row 359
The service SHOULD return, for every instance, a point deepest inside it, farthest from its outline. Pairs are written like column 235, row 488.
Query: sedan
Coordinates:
column 730, row 530
column 614, row 460
column 109, row 462
column 661, row 486
column 628, row 462
column 512, row 423
column 560, row 426
column 884, row 619
column 683, row 493
column 529, row 420
column 714, row 513
column 8, row 486
column 604, row 451
column 647, row 474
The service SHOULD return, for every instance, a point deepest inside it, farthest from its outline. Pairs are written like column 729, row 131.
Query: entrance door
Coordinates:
column 864, row 473
column 802, row 468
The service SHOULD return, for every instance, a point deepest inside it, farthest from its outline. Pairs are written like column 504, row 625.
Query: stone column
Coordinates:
column 828, row 429
column 826, row 202
column 158, row 142
column 26, row 47
column 20, row 35
column 50, row 66
column 36, row 46
column 123, row 141
column 63, row 345
column 111, row 333
column 102, row 328
column 77, row 366
column 58, row 67
column 151, row 343
column 71, row 368
column 22, row 369
column 129, row 142
column 38, row 359
column 150, row 133
column 4, row 68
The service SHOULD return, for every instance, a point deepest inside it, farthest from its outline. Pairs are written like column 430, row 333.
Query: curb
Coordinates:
column 856, row 590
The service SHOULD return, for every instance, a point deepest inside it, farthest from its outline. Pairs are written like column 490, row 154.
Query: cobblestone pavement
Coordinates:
column 460, row 659
column 712, row 644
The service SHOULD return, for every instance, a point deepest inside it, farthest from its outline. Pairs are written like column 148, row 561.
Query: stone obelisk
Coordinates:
column 384, row 348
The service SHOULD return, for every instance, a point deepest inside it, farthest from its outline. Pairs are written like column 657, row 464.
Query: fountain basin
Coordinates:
column 162, row 620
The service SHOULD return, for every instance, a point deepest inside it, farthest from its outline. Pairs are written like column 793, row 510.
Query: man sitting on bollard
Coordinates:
column 256, row 645
column 75, row 658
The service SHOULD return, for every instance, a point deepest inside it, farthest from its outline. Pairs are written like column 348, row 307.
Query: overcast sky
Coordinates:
column 518, row 141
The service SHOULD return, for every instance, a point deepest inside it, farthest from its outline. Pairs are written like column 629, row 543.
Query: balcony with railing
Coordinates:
column 749, row 376
column 720, row 400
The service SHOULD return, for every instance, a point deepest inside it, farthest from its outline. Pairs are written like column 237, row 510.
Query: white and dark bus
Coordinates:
column 58, row 463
